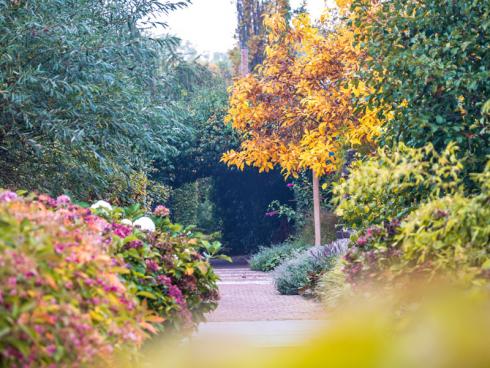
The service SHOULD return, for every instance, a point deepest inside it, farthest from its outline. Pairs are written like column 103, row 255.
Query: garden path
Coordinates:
column 252, row 310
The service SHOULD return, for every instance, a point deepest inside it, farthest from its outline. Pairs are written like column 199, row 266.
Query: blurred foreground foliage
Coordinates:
column 440, row 329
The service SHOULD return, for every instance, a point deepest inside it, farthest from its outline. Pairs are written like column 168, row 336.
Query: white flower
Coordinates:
column 145, row 224
column 127, row 222
column 102, row 204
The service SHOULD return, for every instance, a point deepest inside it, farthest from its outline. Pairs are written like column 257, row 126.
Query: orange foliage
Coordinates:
column 296, row 110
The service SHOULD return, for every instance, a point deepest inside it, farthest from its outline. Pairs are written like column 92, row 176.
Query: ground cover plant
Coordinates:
column 268, row 258
column 299, row 274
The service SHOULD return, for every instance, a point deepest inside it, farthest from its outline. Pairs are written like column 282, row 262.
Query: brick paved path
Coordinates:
column 250, row 296
column 253, row 312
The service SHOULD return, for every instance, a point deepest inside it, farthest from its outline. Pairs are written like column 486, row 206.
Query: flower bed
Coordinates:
column 77, row 287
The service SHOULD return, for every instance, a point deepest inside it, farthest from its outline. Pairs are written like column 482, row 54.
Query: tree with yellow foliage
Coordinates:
column 295, row 111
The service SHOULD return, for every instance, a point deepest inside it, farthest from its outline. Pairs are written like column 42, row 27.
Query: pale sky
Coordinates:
column 209, row 25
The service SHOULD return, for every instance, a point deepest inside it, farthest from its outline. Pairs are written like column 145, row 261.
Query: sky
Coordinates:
column 209, row 25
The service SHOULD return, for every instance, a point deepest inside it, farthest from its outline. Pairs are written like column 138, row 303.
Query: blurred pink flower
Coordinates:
column 362, row 241
column 8, row 196
column 63, row 200
column 121, row 230
column 161, row 211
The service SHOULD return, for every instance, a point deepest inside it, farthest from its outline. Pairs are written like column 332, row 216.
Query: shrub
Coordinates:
column 447, row 236
column 62, row 301
column 393, row 183
column 438, row 84
column 299, row 274
column 169, row 267
column 268, row 258
column 78, row 284
column 451, row 234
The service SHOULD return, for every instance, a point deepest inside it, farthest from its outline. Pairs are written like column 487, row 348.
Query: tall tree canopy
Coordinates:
column 84, row 101
column 432, row 59
column 296, row 111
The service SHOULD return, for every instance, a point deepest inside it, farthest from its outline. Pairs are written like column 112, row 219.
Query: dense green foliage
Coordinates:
column 392, row 183
column 426, row 227
column 204, row 102
column 84, row 95
column 431, row 61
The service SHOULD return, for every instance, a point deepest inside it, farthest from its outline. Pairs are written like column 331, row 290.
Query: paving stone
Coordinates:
column 250, row 296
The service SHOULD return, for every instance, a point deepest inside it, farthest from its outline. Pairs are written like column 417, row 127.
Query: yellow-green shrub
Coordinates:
column 449, row 234
column 394, row 182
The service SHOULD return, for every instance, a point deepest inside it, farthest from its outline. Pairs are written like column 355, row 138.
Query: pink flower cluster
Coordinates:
column 57, row 269
column 161, row 211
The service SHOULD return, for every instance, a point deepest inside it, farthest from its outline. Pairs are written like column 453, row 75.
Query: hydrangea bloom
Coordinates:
column 102, row 204
column 145, row 224
column 7, row 196
column 121, row 230
column 63, row 200
column 161, row 211
column 127, row 222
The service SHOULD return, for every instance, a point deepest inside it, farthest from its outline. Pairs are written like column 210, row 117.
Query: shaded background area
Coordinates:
column 234, row 203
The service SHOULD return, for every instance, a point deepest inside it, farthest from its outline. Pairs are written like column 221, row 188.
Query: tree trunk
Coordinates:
column 244, row 61
column 316, row 209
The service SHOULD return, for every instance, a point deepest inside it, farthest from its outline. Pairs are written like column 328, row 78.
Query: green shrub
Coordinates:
column 300, row 274
column 448, row 236
column 394, row 182
column 430, row 60
column 85, row 106
column 168, row 266
column 451, row 234
column 268, row 258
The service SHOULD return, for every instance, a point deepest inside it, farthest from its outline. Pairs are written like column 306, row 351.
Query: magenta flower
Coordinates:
column 121, row 230
column 47, row 200
column 59, row 248
column 8, row 196
column 151, row 265
column 161, row 211
column 51, row 349
column 135, row 244
column 63, row 200
column 362, row 241
column 290, row 185
column 175, row 293
column 164, row 280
